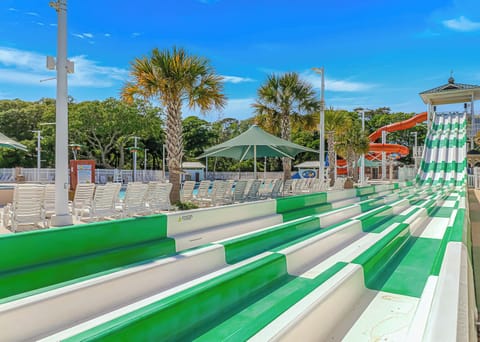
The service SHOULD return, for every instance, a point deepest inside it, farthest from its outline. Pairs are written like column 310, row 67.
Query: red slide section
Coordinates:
column 388, row 148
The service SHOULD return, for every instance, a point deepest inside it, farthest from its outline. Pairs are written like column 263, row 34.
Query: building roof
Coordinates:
column 192, row 165
column 451, row 93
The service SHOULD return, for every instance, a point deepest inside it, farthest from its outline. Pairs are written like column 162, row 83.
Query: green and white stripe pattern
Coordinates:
column 387, row 262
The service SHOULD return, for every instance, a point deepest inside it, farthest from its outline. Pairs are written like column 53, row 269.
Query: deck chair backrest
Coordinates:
column 105, row 196
column 249, row 184
column 203, row 188
column 253, row 191
column 239, row 192
column 227, row 194
column 49, row 198
column 164, row 194
column 83, row 194
column 135, row 194
column 27, row 205
column 187, row 191
column 276, row 189
column 287, row 187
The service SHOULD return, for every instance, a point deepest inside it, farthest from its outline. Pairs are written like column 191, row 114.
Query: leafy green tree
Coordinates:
column 351, row 144
column 175, row 78
column 281, row 100
column 197, row 136
column 107, row 127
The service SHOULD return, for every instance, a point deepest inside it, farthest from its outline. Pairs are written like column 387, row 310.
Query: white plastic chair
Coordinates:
column 134, row 201
column 82, row 199
column 26, row 207
column 186, row 194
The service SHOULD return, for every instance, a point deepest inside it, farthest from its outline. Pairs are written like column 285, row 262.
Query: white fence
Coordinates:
column 243, row 175
column 101, row 175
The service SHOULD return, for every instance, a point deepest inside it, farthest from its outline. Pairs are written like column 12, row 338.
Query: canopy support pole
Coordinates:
column 255, row 161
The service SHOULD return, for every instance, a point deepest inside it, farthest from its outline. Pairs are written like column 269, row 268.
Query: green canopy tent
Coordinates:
column 10, row 143
column 255, row 143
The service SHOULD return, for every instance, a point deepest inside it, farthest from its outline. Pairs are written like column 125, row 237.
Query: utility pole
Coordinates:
column 135, row 158
column 39, row 160
column 321, row 127
column 62, row 215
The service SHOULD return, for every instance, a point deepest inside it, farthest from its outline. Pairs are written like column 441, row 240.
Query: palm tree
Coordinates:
column 336, row 123
column 175, row 78
column 351, row 144
column 281, row 100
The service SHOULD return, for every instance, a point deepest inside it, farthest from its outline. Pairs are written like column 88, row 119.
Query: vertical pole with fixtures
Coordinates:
column 62, row 215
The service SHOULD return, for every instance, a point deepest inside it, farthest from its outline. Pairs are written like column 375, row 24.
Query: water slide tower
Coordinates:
column 452, row 93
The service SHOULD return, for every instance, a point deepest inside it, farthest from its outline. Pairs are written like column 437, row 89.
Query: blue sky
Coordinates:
column 376, row 53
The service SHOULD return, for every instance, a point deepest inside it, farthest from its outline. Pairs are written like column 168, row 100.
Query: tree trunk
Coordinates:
column 174, row 147
column 287, row 168
column 285, row 130
column 331, row 156
column 121, row 160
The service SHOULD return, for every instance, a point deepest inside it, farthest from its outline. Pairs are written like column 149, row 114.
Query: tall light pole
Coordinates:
column 145, row 160
column 62, row 215
column 321, row 127
column 384, row 156
column 135, row 158
column 415, row 151
column 362, row 158
column 39, row 160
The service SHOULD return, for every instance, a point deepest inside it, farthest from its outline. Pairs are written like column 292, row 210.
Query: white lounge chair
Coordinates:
column 239, row 191
column 253, row 191
column 287, row 187
column 49, row 201
column 186, row 194
column 216, row 195
column 276, row 189
column 26, row 207
column 134, row 202
column 202, row 191
column 104, row 202
column 82, row 199
column 158, row 196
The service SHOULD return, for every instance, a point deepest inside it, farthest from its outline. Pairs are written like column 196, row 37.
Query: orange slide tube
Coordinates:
column 388, row 148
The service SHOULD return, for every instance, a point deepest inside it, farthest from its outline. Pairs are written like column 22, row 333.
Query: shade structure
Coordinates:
column 10, row 143
column 255, row 143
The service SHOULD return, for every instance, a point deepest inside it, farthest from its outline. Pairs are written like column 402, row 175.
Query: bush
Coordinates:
column 186, row 205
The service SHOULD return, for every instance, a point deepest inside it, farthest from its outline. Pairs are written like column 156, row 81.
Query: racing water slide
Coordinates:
column 380, row 262
column 378, row 148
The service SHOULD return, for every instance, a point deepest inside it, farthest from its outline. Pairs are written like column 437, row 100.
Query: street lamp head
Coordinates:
column 318, row 70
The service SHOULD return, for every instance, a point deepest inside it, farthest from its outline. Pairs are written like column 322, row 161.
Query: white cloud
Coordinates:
column 78, row 35
column 26, row 67
column 40, row 23
column 12, row 9
column 88, row 35
column 462, row 24
column 54, row 25
column 240, row 108
column 236, row 79
column 136, row 34
column 35, row 14
column 335, row 85
column 107, row 35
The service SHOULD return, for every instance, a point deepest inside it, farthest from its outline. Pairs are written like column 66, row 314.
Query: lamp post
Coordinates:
column 145, row 165
column 39, row 160
column 362, row 158
column 135, row 150
column 321, row 127
column 62, row 215
column 415, row 151
column 145, row 160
